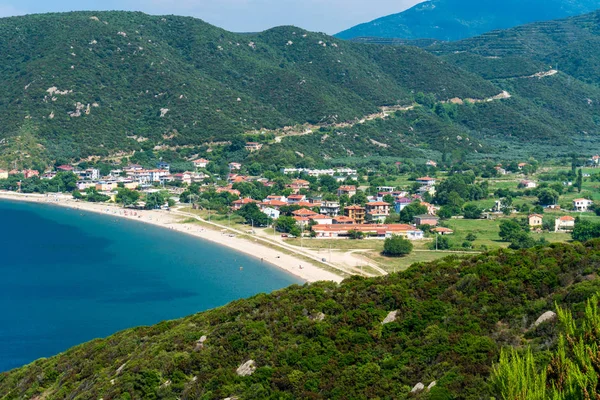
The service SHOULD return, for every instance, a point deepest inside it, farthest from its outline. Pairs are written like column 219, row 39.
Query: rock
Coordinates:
column 317, row 317
column 547, row 316
column 247, row 368
column 200, row 343
column 166, row 384
column 120, row 369
column 391, row 317
column 418, row 387
column 431, row 385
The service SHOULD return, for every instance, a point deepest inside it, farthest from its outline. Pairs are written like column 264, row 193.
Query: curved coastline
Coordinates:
column 296, row 266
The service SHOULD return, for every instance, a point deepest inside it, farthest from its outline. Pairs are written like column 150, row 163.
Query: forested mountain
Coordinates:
column 458, row 19
column 91, row 83
column 442, row 322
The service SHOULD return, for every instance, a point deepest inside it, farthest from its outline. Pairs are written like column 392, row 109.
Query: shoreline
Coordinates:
column 298, row 267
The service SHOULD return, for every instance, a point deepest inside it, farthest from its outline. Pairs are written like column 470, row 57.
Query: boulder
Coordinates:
column 247, row 368
column 431, row 385
column 391, row 317
column 418, row 387
column 547, row 316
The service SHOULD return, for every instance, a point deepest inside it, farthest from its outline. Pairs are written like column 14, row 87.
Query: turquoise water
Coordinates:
column 68, row 276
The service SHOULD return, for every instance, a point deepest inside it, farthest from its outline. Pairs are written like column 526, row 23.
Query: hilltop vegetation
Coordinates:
column 327, row 341
column 458, row 19
column 96, row 83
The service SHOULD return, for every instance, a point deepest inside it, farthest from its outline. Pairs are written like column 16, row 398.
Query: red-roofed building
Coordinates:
column 346, row 190
column 342, row 219
column 201, row 163
column 276, row 204
column 377, row 211
column 296, row 198
column 357, row 213
column 443, row 231
column 370, row 230
column 321, row 219
column 564, row 224
column 238, row 204
column 30, row 173
column 303, row 212
column 65, row 168
column 535, row 220
column 427, row 181
column 228, row 189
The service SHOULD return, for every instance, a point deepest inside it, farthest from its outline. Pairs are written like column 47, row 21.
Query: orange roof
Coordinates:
column 355, row 208
column 347, row 188
column 581, row 200
column 319, row 216
column 302, row 219
column 377, row 204
column 441, row 229
column 275, row 203
column 307, row 204
column 567, row 218
column 366, row 228
column 304, row 212
column 426, row 178
column 301, row 182
column 536, row 215
column 343, row 218
column 200, row 161
column 247, row 200
column 296, row 196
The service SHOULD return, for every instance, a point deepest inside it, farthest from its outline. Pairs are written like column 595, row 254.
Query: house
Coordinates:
column 201, row 163
column 296, row 198
column 30, row 173
column 426, row 220
column 528, row 184
column 301, row 184
column 564, row 224
column 185, row 177
column 106, row 186
column 339, row 231
column 271, row 212
column 500, row 170
column 274, row 204
column 426, row 181
column 163, row 165
column 132, row 167
column 83, row 185
column 229, row 190
column 401, row 203
column 304, row 212
column 594, row 161
column 377, row 210
column 357, row 213
column 238, row 204
column 431, row 163
column 386, row 189
column 431, row 209
column 235, row 166
column 582, row 205
column 535, row 220
column 442, row 231
column 346, row 190
column 276, row 198
column 342, row 219
column 330, row 208
column 90, row 174
column 321, row 219
column 253, row 146
column 3, row 174
column 521, row 165
column 65, row 168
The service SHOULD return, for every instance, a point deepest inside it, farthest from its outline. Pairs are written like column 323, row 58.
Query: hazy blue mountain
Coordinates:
column 459, row 19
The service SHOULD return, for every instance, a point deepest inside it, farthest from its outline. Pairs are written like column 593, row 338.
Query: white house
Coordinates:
column 271, row 212
column 201, row 163
column 564, row 224
column 529, row 184
column 582, row 204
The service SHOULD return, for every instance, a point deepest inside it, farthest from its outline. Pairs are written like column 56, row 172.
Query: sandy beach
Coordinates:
column 299, row 267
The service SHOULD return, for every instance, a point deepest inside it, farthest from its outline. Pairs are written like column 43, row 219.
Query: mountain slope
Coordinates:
column 458, row 19
column 92, row 83
column 327, row 341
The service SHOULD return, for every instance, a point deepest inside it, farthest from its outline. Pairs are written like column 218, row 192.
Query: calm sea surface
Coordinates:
column 67, row 277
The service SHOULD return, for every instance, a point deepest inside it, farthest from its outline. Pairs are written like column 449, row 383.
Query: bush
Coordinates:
column 397, row 246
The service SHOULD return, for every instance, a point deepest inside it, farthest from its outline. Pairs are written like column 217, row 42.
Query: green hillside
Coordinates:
column 458, row 19
column 328, row 341
column 92, row 83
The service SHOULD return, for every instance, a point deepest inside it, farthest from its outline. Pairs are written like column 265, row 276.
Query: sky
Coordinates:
column 329, row 16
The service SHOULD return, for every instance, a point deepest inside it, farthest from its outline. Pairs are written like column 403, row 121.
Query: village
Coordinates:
column 440, row 211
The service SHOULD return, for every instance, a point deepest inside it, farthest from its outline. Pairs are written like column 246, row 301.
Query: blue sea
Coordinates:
column 68, row 276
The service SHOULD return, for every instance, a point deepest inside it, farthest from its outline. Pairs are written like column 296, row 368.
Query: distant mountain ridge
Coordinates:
column 451, row 20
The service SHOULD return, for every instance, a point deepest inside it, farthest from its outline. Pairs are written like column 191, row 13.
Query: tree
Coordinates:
column 252, row 214
column 397, row 246
column 440, row 243
column 509, row 229
column 471, row 211
column 585, row 230
column 127, row 197
column 155, row 201
column 547, row 197
column 408, row 213
column 356, row 235
column 285, row 224
column 471, row 237
column 522, row 240
column 579, row 181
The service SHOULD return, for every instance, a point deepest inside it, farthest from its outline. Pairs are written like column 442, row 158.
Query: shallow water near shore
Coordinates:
column 68, row 276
